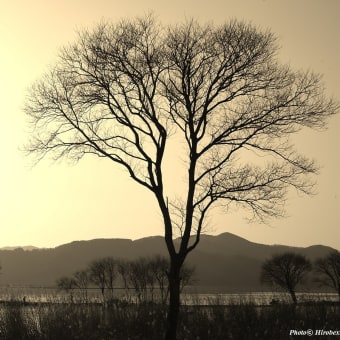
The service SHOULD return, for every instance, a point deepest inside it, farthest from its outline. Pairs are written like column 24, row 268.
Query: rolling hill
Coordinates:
column 224, row 263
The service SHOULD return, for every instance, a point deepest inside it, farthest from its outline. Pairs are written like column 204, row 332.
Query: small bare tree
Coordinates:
column 145, row 274
column 159, row 267
column 103, row 274
column 187, row 276
column 122, row 90
column 110, row 266
column 286, row 271
column 67, row 284
column 82, row 282
column 123, row 272
column 328, row 270
column 97, row 272
column 140, row 278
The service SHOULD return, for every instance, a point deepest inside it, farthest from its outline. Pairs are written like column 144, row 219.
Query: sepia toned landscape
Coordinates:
column 214, row 127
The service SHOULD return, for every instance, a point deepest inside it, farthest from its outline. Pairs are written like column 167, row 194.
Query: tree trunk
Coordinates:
column 174, row 300
column 293, row 295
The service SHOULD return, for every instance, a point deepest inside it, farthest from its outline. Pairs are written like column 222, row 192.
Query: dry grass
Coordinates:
column 146, row 321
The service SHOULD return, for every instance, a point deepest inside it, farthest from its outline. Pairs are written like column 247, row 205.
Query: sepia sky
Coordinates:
column 55, row 203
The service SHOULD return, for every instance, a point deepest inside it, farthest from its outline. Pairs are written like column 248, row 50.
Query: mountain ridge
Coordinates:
column 224, row 262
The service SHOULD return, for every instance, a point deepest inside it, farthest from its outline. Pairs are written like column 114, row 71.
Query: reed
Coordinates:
column 123, row 320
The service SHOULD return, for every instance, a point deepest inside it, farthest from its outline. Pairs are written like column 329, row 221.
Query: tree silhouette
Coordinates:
column 124, row 90
column 141, row 278
column 159, row 267
column 67, row 284
column 328, row 269
column 286, row 271
column 146, row 273
column 82, row 281
column 98, row 275
column 110, row 273
column 123, row 272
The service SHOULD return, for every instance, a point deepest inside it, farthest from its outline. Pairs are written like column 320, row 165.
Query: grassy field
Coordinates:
column 146, row 321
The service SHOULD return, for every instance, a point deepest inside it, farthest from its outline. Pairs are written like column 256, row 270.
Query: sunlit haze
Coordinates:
column 55, row 203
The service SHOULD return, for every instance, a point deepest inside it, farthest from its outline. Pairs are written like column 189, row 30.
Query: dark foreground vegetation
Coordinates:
column 121, row 320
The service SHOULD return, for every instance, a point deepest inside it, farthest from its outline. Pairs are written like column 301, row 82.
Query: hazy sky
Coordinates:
column 52, row 204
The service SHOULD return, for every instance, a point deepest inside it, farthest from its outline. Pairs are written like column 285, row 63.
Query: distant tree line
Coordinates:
column 288, row 270
column 145, row 278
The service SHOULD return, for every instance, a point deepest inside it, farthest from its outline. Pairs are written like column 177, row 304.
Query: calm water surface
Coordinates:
column 51, row 294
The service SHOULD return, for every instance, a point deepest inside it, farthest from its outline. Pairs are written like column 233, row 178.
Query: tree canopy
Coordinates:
column 122, row 90
column 328, row 270
column 286, row 271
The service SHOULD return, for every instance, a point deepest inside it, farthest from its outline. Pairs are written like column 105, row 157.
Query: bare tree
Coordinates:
column 97, row 272
column 82, row 282
column 122, row 90
column 103, row 274
column 110, row 273
column 67, row 284
column 123, row 272
column 140, row 278
column 187, row 276
column 286, row 271
column 159, row 267
column 328, row 269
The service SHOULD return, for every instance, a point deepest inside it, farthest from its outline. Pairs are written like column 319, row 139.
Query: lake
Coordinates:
column 53, row 295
